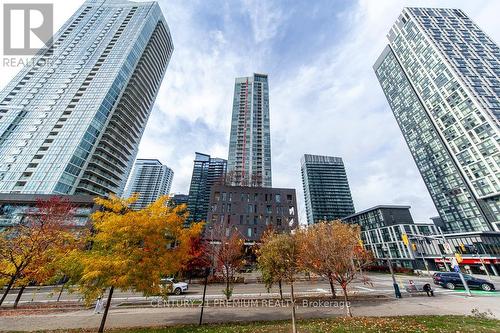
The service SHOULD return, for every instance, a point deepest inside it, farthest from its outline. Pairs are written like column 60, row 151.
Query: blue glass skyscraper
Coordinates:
column 441, row 76
column 71, row 122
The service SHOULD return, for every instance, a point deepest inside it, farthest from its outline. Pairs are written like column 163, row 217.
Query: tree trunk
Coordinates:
column 103, row 320
column 60, row 292
column 281, row 290
column 19, row 294
column 332, row 287
column 346, row 300
column 227, row 288
column 6, row 292
column 204, row 294
column 294, row 327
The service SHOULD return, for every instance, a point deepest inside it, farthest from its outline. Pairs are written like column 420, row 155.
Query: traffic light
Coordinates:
column 462, row 247
column 459, row 258
column 405, row 239
column 360, row 242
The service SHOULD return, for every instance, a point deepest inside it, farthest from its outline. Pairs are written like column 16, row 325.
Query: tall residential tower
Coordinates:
column 150, row 180
column 441, row 76
column 326, row 189
column 71, row 122
column 249, row 162
column 207, row 171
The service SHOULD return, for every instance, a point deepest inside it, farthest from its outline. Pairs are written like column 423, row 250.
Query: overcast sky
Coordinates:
column 324, row 96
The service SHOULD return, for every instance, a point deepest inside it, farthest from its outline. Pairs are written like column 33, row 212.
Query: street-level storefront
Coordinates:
column 474, row 265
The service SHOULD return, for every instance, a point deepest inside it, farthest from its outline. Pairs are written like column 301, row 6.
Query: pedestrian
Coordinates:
column 98, row 305
column 428, row 290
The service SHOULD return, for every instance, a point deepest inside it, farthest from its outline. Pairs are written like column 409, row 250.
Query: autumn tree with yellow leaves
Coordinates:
column 280, row 254
column 268, row 260
column 132, row 249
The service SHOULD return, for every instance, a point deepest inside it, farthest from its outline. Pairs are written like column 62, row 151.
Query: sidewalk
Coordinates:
column 452, row 304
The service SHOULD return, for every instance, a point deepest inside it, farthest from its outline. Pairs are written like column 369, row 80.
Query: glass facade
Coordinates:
column 150, row 180
column 207, row 171
column 440, row 74
column 71, row 122
column 249, row 162
column 326, row 188
column 16, row 208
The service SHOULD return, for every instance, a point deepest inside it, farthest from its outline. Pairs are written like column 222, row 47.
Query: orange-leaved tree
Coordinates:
column 133, row 249
column 227, row 252
column 340, row 250
column 319, row 251
column 30, row 250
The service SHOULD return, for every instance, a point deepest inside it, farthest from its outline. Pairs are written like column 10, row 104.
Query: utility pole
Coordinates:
column 423, row 259
column 397, row 292
column 445, row 247
column 456, row 267
column 406, row 241
column 476, row 252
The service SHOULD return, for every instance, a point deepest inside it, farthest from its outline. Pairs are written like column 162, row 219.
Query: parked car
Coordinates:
column 450, row 280
column 174, row 286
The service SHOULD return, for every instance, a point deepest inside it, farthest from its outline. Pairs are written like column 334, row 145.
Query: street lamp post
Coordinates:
column 445, row 247
column 397, row 292
column 456, row 267
column 423, row 259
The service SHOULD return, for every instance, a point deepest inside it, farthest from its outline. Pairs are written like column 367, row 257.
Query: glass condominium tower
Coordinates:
column 441, row 76
column 150, row 180
column 207, row 171
column 326, row 189
column 71, row 122
column 249, row 162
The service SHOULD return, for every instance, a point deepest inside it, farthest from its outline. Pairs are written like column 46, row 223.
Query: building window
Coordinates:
column 278, row 198
column 249, row 232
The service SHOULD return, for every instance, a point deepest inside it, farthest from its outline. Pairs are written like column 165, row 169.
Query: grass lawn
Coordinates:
column 361, row 324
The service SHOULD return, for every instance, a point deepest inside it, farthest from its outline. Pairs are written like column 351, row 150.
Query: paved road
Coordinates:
column 379, row 283
column 453, row 303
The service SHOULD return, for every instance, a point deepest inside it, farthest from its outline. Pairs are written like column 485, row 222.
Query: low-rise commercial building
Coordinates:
column 15, row 208
column 382, row 229
column 383, row 226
